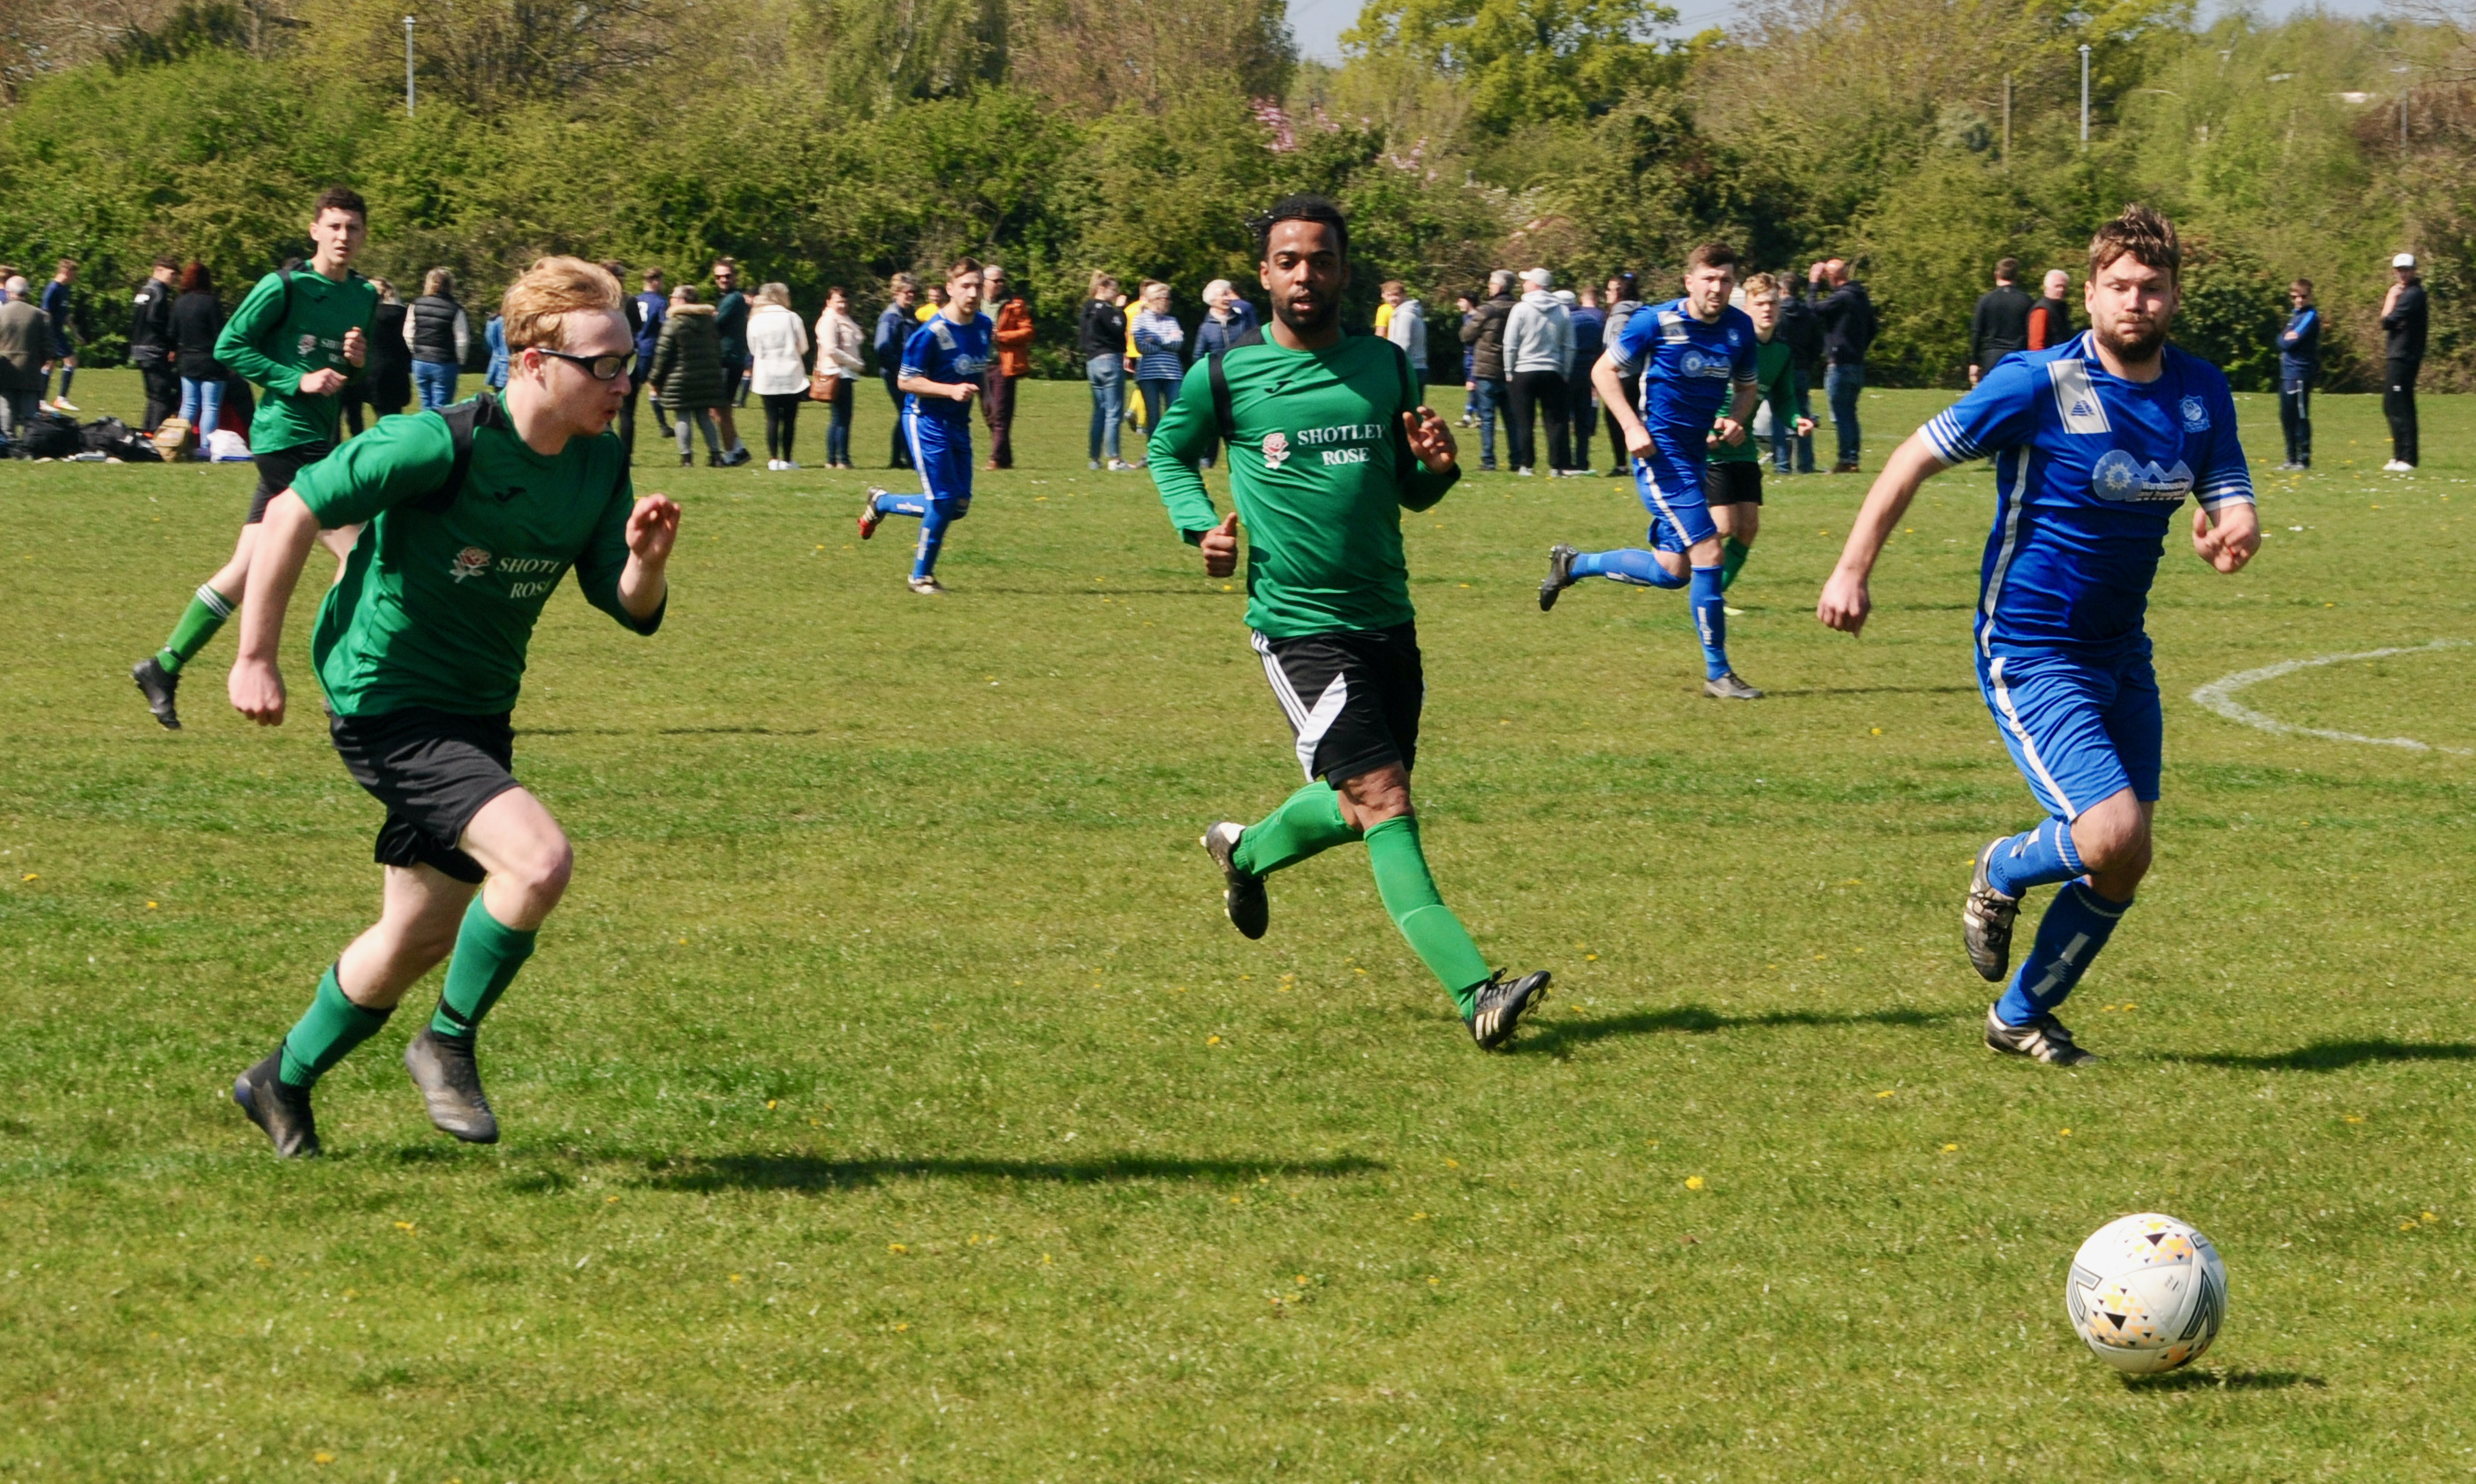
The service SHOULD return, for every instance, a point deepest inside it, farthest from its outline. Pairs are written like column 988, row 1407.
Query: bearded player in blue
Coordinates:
column 2096, row 444
column 1691, row 352
column 942, row 367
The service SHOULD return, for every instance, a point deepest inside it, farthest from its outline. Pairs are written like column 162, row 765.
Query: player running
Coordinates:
column 301, row 333
column 1691, row 352
column 1328, row 443
column 943, row 364
column 474, row 514
column 1733, row 483
column 2095, row 443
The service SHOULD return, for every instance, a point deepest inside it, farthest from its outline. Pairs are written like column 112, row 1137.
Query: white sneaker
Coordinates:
column 1120, row 466
column 1523, row 473
column 789, row 464
column 926, row 586
column 2396, row 466
column 64, row 405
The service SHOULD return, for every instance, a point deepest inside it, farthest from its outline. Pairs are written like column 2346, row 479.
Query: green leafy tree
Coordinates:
column 1524, row 60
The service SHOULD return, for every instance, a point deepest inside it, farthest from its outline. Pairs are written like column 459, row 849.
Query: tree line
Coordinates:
column 837, row 141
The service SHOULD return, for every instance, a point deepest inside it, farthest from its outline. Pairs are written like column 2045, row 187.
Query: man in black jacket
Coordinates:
column 1801, row 330
column 1847, row 315
column 149, row 343
column 1484, row 334
column 2001, row 324
column 2403, row 315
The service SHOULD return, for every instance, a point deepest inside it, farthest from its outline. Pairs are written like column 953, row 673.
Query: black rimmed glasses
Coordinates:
column 602, row 368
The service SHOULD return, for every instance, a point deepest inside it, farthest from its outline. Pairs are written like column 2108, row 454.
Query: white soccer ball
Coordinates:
column 2147, row 1293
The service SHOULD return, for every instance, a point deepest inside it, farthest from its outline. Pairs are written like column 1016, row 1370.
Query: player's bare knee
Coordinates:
column 1376, row 796
column 2112, row 841
column 541, row 867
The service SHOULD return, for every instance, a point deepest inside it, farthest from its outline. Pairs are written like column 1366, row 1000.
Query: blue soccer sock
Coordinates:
column 2076, row 926
column 1711, row 619
column 888, row 503
column 941, row 514
column 1629, row 565
column 2034, row 857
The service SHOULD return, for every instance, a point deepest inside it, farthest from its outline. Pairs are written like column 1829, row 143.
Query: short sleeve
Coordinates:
column 1633, row 346
column 920, row 351
column 2001, row 413
column 2224, row 478
column 400, row 458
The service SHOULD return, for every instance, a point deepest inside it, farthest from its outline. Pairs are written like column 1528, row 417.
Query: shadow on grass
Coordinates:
column 796, row 1172
column 2338, row 1056
column 1696, row 1020
column 2222, row 1380
column 1877, row 690
column 670, row 731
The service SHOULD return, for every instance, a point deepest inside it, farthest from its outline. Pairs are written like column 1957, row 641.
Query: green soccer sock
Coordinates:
column 1732, row 560
column 1409, row 894
column 1307, row 823
column 206, row 613
column 488, row 955
column 329, row 1029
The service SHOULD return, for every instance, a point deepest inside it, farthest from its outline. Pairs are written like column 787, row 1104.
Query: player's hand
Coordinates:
column 256, row 691
column 357, row 346
column 1730, row 431
column 1845, row 603
column 1804, row 426
column 322, row 382
column 1221, row 547
column 1431, row 442
column 652, row 526
column 2229, row 541
column 961, row 391
column 1639, row 444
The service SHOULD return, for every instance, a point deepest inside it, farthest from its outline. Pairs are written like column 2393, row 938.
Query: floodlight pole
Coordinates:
column 2085, row 51
column 2007, row 120
column 408, row 67
column 2402, row 72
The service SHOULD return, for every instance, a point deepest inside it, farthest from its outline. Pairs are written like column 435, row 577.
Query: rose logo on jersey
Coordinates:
column 2119, row 477
column 2196, row 415
column 471, row 561
column 1277, row 450
column 309, row 343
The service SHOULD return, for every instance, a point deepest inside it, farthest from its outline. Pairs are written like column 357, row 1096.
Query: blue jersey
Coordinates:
column 943, row 351
column 2299, row 345
column 1687, row 370
column 2090, row 470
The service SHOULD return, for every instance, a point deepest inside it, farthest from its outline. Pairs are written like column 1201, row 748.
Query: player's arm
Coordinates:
column 1187, row 432
column 236, row 348
column 1845, row 602
column 1429, row 463
column 285, row 537
column 913, row 376
column 1731, row 428
column 1607, row 378
column 2226, row 527
column 625, row 569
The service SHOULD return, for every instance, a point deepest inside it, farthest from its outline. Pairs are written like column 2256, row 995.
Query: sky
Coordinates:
column 1320, row 23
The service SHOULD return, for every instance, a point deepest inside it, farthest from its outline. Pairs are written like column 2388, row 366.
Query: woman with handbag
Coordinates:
column 838, row 368
column 777, row 349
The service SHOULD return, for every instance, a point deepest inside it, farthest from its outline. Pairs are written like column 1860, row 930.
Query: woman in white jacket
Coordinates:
column 778, row 355
column 838, row 343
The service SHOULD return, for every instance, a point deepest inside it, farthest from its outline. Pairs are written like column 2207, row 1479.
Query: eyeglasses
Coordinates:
column 602, row 368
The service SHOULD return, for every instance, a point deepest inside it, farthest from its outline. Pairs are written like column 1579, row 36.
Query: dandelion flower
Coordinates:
column 896, row 1247
column 1694, row 1182
column 1951, row 1148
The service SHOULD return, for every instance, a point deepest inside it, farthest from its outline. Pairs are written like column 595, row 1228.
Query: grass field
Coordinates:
column 889, row 1100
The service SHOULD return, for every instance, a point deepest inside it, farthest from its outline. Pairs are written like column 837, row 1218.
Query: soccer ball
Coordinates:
column 2146, row 1292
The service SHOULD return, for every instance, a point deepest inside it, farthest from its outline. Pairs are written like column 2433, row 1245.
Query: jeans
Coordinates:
column 434, row 383
column 1158, row 392
column 200, row 403
column 696, row 417
column 1842, row 384
column 1585, row 418
column 2295, row 418
column 900, row 457
column 1485, row 398
column 782, row 421
column 2398, row 404
column 1784, row 434
column 838, row 431
column 1538, row 395
column 1107, row 375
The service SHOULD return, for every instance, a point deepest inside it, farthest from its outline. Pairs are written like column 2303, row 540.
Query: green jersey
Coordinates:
column 282, row 332
column 435, row 607
column 1320, row 470
column 1772, row 360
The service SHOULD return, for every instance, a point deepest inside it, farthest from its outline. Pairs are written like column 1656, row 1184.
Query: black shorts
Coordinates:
column 1352, row 697
column 1733, row 481
column 434, row 771
column 277, row 470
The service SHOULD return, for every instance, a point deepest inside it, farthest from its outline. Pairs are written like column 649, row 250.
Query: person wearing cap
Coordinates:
column 2403, row 316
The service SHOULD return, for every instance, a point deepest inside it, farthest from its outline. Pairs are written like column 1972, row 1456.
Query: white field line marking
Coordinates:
column 2219, row 696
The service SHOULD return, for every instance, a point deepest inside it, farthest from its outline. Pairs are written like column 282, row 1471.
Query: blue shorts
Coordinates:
column 943, row 452
column 2080, row 730
column 1671, row 490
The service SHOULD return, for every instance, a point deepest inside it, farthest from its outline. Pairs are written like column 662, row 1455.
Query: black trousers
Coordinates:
column 900, row 458
column 782, row 421
column 2398, row 404
column 1586, row 418
column 163, row 391
column 1615, row 434
column 2295, row 419
column 1539, row 395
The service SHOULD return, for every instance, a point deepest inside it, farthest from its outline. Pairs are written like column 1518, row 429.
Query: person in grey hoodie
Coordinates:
column 1538, row 356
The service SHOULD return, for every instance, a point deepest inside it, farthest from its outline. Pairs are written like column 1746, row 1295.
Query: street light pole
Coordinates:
column 2085, row 51
column 2402, row 72
column 2007, row 120
column 408, row 67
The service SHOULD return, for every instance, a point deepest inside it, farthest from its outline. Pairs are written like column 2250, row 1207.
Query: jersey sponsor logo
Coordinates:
column 471, row 561
column 1696, row 362
column 2196, row 415
column 1277, row 450
column 2121, row 478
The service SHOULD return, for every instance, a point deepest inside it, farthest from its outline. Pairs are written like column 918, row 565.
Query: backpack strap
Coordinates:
column 462, row 420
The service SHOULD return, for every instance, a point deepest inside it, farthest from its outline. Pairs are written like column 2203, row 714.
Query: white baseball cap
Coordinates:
column 2403, row 261
column 1538, row 278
